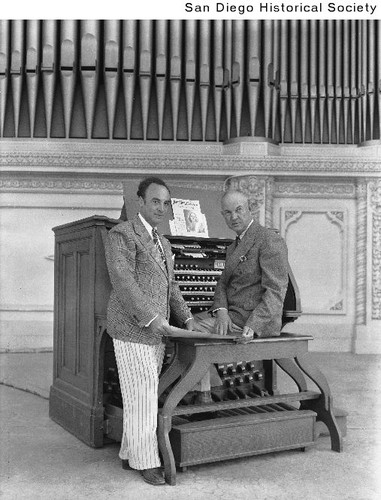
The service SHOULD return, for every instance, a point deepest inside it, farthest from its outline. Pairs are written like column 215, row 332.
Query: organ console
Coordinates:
column 243, row 415
column 315, row 81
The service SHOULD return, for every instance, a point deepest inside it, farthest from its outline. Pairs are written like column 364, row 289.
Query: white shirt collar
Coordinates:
column 146, row 224
column 245, row 231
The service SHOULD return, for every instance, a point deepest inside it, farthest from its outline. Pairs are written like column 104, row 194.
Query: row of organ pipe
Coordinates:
column 288, row 81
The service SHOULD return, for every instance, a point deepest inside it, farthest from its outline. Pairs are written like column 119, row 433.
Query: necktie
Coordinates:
column 237, row 240
column 155, row 237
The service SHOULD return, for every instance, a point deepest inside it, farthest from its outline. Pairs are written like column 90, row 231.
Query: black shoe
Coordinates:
column 125, row 465
column 153, row 476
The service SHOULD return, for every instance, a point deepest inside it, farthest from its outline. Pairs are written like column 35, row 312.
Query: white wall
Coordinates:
column 27, row 260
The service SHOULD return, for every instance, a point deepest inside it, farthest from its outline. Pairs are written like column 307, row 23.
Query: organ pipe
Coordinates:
column 267, row 75
column 330, row 76
column 228, row 42
column 68, row 68
column 370, row 75
column 284, row 76
column 323, row 54
column 145, row 69
column 253, row 68
column 32, row 68
column 237, row 78
column 49, row 68
column 353, row 79
column 17, row 69
column 346, row 78
column 89, row 67
column 190, row 71
column 161, row 57
column 294, row 74
column 4, row 69
column 378, row 66
column 130, row 49
column 218, row 47
column 304, row 46
column 281, row 80
column 176, row 36
column 112, row 44
column 275, row 76
column 338, row 78
column 313, row 77
column 205, row 34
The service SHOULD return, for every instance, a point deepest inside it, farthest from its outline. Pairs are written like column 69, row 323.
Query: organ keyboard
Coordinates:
column 198, row 265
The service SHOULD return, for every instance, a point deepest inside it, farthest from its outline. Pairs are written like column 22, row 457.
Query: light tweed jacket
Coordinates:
column 254, row 282
column 142, row 287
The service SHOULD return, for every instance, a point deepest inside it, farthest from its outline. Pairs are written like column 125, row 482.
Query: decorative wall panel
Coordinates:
column 317, row 245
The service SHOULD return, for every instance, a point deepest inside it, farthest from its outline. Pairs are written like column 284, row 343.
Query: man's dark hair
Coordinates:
column 145, row 183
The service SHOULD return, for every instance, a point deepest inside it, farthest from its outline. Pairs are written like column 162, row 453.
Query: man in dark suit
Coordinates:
column 144, row 294
column 249, row 295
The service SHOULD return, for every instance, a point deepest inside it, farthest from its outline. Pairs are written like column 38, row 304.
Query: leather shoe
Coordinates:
column 153, row 476
column 125, row 465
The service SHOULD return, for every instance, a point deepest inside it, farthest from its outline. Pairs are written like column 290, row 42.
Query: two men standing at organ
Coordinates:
column 248, row 302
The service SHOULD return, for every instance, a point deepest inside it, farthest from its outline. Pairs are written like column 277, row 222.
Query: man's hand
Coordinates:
column 189, row 325
column 247, row 333
column 158, row 325
column 223, row 323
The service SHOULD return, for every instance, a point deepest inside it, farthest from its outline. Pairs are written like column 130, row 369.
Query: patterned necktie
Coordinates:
column 155, row 237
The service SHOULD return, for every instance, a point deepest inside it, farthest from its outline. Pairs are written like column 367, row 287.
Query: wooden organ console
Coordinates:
column 244, row 415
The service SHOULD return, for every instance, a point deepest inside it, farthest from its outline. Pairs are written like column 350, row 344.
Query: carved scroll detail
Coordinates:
column 361, row 190
column 375, row 204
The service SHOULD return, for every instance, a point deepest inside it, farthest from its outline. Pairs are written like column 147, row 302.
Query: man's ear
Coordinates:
column 140, row 201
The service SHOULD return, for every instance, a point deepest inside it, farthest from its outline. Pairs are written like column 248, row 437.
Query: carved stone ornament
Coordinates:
column 122, row 157
column 314, row 189
column 375, row 205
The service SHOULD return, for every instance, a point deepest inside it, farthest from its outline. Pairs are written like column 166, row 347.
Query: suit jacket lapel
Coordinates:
column 235, row 254
column 147, row 241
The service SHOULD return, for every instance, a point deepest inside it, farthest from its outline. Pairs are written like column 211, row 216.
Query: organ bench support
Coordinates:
column 295, row 428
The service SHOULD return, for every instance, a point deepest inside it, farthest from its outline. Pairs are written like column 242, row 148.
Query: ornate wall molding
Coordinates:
column 205, row 165
column 361, row 256
column 121, row 157
column 269, row 203
column 9, row 183
column 315, row 189
column 375, row 206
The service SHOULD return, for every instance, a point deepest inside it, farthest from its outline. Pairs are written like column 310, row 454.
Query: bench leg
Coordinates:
column 324, row 405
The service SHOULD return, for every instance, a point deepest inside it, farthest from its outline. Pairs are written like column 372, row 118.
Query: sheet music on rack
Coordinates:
column 188, row 220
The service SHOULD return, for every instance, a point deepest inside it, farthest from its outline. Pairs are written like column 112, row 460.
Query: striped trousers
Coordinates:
column 139, row 366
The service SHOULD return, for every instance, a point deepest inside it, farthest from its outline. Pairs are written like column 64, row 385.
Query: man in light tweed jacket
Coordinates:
column 144, row 294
